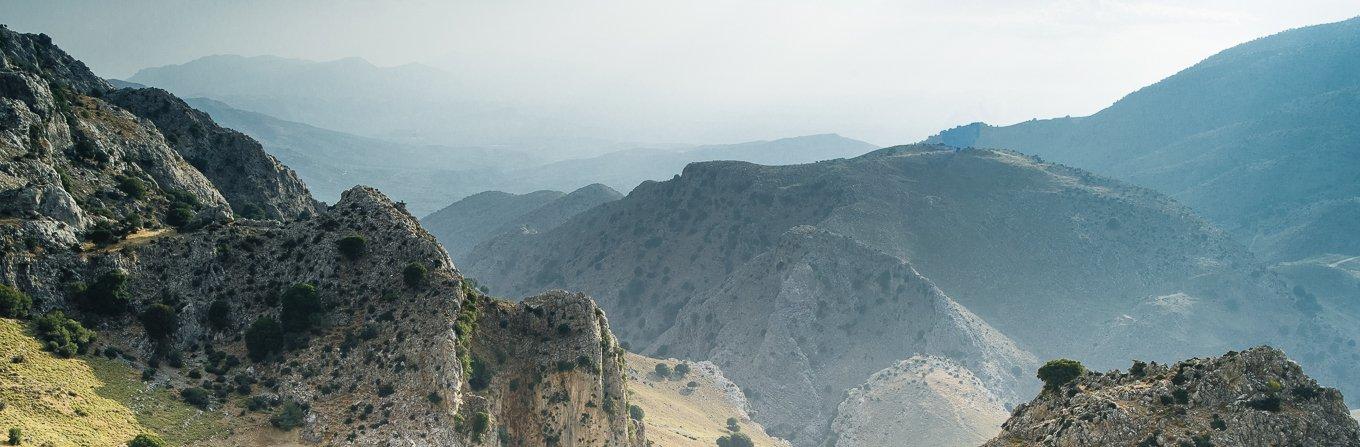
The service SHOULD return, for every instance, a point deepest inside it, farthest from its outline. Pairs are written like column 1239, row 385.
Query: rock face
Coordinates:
column 255, row 183
column 549, row 372
column 381, row 356
column 922, row 401
column 1253, row 398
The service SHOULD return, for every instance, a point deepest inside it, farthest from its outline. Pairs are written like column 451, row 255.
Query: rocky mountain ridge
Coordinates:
column 348, row 324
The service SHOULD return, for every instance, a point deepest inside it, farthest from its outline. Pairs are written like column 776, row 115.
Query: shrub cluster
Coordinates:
column 353, row 247
column 735, row 440
column 160, row 320
column 146, row 440
column 289, row 416
column 264, row 337
column 14, row 303
column 63, row 336
column 301, row 307
column 414, row 275
column 108, row 295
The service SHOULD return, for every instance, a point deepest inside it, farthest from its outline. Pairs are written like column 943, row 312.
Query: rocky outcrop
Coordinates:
column 547, row 371
column 1256, row 397
column 922, row 401
column 255, row 183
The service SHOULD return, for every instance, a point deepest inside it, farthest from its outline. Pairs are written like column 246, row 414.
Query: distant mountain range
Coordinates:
column 1261, row 139
column 429, row 177
column 801, row 281
column 481, row 217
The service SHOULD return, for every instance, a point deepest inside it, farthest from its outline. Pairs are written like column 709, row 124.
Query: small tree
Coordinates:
column 735, row 440
column 263, row 338
column 13, row 303
column 146, row 440
column 161, row 321
column 109, row 294
column 1057, row 373
column 196, row 396
column 681, row 370
column 353, row 247
column 663, row 370
column 635, row 412
column 219, row 314
column 291, row 415
column 15, row 436
column 414, row 275
column 301, row 304
column 132, row 186
column 732, row 424
column 480, row 423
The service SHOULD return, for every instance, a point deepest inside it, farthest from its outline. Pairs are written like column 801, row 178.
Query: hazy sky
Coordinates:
column 714, row 71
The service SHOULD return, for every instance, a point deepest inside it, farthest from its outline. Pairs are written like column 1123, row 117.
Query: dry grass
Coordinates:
column 680, row 416
column 87, row 401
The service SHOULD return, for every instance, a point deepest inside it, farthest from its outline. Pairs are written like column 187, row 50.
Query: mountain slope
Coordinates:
column 1258, row 138
column 476, row 218
column 1251, row 398
column 1037, row 251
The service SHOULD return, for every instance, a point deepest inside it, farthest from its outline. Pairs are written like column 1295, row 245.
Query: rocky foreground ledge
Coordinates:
column 1253, row 398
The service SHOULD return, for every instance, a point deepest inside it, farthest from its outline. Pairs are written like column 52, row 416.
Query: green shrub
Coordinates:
column 1059, row 372
column 480, row 375
column 291, row 415
column 219, row 314
column 1139, row 369
column 179, row 216
column 146, row 440
column 108, row 295
column 414, row 275
column 301, row 307
column 732, row 425
column 132, row 186
column 681, row 369
column 635, row 412
column 161, row 321
column 353, row 247
column 264, row 337
column 13, row 303
column 735, row 440
column 480, row 423
column 16, row 436
column 196, row 396
column 663, row 370
column 63, row 336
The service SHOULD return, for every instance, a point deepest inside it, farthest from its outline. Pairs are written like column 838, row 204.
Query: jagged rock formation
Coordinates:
column 1253, row 398
column 921, row 401
column 553, row 374
column 254, row 182
column 381, row 356
column 1036, row 250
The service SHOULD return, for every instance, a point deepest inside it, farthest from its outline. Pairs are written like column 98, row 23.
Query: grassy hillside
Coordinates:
column 678, row 415
column 85, row 401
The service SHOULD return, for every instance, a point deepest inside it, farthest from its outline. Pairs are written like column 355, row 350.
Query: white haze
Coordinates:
column 711, row 71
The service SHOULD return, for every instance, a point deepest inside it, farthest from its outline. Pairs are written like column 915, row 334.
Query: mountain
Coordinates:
column 928, row 400
column 1259, row 139
column 330, row 162
column 485, row 216
column 420, row 105
column 426, row 176
column 1256, row 397
column 303, row 323
column 624, row 170
column 801, row 281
